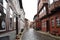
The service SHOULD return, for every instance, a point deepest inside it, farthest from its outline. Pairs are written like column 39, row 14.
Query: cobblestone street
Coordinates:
column 31, row 34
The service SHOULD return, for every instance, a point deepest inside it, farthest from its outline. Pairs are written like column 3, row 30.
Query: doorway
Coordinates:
column 48, row 26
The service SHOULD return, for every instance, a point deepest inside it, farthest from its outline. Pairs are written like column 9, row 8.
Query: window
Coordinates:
column 20, row 1
column 43, row 10
column 2, row 25
column 14, row 22
column 11, row 13
column 58, row 21
column 51, row 1
column 44, row 24
column 11, row 23
column 3, row 15
column 0, row 14
column 56, row 0
column 11, row 19
column 5, row 6
column 52, row 22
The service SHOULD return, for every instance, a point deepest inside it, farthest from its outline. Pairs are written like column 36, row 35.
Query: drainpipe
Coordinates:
column 16, row 25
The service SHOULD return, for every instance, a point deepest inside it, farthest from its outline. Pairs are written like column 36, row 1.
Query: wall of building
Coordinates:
column 10, row 30
column 55, row 29
column 51, row 12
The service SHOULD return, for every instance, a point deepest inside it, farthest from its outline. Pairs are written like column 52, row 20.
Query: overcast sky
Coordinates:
column 30, row 8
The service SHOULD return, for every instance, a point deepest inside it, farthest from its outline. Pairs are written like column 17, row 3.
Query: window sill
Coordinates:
column 2, row 30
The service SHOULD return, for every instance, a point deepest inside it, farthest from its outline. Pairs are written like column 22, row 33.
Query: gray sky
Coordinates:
column 30, row 8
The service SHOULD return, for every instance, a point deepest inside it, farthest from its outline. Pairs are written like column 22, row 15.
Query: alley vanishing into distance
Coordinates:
column 32, row 34
column 15, row 24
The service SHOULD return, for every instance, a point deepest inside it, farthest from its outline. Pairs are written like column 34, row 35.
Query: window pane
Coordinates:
column 3, row 24
column 45, row 24
column 56, row 0
column 51, row 1
column 11, row 13
column 0, row 14
column 5, row 6
column 58, row 21
column 52, row 22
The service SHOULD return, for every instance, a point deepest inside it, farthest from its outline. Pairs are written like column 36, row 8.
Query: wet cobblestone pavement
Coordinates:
column 33, row 35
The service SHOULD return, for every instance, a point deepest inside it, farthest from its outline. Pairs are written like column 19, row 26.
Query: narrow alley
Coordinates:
column 29, row 19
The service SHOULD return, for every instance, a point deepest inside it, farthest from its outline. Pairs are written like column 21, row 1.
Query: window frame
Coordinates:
column 1, row 30
column 52, row 23
column 3, row 19
column 58, row 21
column 43, row 10
column 5, row 3
column 43, row 24
column 11, row 18
column 11, row 12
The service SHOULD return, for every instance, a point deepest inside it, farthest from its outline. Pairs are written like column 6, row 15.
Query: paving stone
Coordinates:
column 31, row 34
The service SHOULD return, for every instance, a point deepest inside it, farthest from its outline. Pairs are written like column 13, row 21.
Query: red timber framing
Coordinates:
column 55, row 23
column 51, row 21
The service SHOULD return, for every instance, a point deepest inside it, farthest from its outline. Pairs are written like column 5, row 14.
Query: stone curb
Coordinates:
column 22, row 35
column 57, row 37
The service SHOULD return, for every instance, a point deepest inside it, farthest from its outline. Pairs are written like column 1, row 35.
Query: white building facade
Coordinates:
column 11, row 10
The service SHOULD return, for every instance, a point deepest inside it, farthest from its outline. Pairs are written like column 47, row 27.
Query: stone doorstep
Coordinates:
column 47, row 33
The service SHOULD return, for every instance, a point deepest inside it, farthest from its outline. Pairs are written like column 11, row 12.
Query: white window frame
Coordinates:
column 11, row 16
column 58, row 21
column 52, row 22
